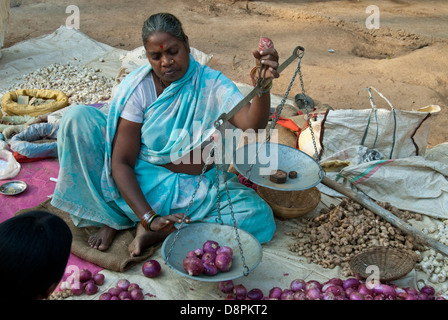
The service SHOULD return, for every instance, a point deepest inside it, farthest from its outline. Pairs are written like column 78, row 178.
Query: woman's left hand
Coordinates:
column 267, row 60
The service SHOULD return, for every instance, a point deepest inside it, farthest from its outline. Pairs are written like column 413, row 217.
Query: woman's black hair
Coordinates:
column 34, row 250
column 163, row 22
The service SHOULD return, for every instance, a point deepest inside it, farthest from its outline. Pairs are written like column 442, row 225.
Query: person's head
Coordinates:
column 34, row 250
column 167, row 46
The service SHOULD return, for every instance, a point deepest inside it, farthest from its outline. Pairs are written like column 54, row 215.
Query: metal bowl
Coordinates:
column 256, row 161
column 11, row 188
column 193, row 236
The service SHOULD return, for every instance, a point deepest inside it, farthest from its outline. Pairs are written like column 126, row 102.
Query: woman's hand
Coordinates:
column 166, row 223
column 267, row 61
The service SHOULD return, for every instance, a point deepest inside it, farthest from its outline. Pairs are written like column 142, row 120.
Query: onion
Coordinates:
column 355, row 295
column 313, row 294
column 411, row 290
column 91, row 288
column 379, row 297
column 114, row 291
column 275, row 292
column 297, row 284
column 136, row 294
column 389, row 291
column 124, row 295
column 77, row 290
column 210, row 268
column 313, row 284
column 210, row 246
column 332, row 288
column 151, row 268
column 428, row 290
column 336, row 281
column 114, row 298
column 225, row 249
column 299, row 295
column 199, row 252
column 85, row 275
column 226, row 286
column 105, row 296
column 191, row 254
column 411, row 296
column 98, row 278
column 223, row 262
column 255, row 294
column 193, row 266
column 287, row 295
column 328, row 296
column 362, row 289
column 123, row 284
column 208, row 257
column 350, row 283
column 240, row 292
column 133, row 286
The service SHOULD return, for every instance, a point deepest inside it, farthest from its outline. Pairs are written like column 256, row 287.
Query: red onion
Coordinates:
column 91, row 288
column 226, row 286
column 428, row 290
column 225, row 249
column 208, row 257
column 114, row 298
column 230, row 297
column 255, row 294
column 191, row 254
column 411, row 296
column 299, row 295
column 193, row 266
column 379, row 297
column 333, row 288
column 275, row 292
column 313, row 284
column 362, row 289
column 133, row 286
column 151, row 268
column 297, row 284
column 114, row 291
column 350, row 283
column 389, row 291
column 210, row 268
column 210, row 246
column 136, row 294
column 240, row 292
column 199, row 252
column 77, row 290
column 287, row 295
column 105, row 296
column 223, row 262
column 368, row 297
column 313, row 294
column 336, row 281
column 411, row 290
column 123, row 284
column 85, row 275
column 98, row 278
column 355, row 295
column 328, row 296
column 124, row 295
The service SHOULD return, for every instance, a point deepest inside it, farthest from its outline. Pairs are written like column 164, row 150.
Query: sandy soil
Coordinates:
column 405, row 58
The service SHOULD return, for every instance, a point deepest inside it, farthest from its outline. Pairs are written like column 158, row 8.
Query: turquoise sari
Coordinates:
column 177, row 122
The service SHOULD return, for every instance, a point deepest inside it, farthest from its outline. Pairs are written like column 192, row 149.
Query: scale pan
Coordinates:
column 273, row 156
column 193, row 236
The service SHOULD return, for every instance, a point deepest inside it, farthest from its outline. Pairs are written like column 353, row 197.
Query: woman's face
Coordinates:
column 168, row 56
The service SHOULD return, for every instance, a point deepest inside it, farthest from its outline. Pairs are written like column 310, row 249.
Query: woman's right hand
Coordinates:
column 166, row 223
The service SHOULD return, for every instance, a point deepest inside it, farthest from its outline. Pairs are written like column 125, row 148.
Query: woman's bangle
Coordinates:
column 252, row 74
column 148, row 217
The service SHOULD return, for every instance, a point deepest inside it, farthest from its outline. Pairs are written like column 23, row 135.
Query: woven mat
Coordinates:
column 116, row 258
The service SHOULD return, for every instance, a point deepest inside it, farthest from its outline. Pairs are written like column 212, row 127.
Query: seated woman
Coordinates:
column 120, row 172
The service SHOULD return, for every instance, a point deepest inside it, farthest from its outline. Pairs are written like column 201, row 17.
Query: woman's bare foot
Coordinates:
column 102, row 239
column 143, row 239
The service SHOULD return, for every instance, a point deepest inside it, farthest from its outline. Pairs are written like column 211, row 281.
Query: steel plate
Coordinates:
column 272, row 156
column 11, row 188
column 193, row 236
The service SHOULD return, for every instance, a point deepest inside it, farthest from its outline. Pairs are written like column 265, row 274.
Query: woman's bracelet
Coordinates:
column 252, row 74
column 148, row 217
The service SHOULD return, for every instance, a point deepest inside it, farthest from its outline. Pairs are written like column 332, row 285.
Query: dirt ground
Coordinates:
column 405, row 58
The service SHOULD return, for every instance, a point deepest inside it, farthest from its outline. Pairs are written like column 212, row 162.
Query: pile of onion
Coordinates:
column 123, row 290
column 85, row 282
column 208, row 260
column 333, row 289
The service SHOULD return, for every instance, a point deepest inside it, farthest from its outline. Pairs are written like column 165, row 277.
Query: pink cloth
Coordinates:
column 37, row 176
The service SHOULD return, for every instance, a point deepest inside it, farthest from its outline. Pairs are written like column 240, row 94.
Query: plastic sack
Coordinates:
column 9, row 167
column 12, row 108
column 22, row 143
column 395, row 133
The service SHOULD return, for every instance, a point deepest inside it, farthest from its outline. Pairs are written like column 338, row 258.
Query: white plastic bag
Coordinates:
column 9, row 167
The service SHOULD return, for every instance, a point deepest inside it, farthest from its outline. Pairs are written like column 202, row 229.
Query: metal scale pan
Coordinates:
column 257, row 165
column 194, row 235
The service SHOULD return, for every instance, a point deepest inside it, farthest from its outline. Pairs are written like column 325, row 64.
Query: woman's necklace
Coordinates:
column 161, row 82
